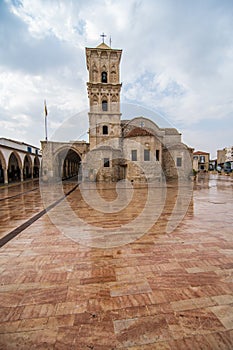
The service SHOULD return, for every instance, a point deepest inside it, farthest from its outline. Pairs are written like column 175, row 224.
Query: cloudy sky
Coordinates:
column 177, row 61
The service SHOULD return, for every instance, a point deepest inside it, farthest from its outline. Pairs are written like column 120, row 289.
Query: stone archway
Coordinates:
column 27, row 167
column 14, row 168
column 36, row 167
column 2, row 168
column 67, row 163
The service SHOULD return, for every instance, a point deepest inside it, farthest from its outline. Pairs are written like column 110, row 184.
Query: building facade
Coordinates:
column 225, row 159
column 135, row 149
column 19, row 161
column 201, row 161
column 225, row 155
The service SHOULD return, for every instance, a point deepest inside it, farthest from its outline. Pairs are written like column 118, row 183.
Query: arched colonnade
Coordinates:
column 16, row 165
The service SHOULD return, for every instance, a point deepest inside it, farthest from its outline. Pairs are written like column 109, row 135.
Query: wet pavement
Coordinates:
column 89, row 275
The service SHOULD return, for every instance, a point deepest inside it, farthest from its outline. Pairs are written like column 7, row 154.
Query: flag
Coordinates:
column 45, row 109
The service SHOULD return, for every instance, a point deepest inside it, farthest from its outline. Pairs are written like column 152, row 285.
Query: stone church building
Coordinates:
column 137, row 149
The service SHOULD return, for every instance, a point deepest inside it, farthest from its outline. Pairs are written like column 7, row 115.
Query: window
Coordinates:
column 105, row 130
column 157, row 154
column 146, row 154
column 202, row 159
column 29, row 149
column 134, row 155
column 106, row 162
column 104, row 77
column 179, row 161
column 104, row 105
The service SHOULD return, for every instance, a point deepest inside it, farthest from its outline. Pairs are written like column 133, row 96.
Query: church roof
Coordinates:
column 138, row 132
column 199, row 153
column 103, row 46
column 179, row 145
column 171, row 131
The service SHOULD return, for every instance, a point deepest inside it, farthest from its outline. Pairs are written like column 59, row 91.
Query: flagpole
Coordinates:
column 46, row 127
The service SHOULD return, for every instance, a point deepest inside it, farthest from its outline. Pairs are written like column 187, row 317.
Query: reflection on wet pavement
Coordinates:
column 69, row 281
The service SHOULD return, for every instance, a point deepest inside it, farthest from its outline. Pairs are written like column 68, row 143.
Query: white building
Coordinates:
column 18, row 161
column 229, row 154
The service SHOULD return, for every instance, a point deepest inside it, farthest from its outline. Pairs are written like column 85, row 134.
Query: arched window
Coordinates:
column 94, row 74
column 105, row 130
column 104, row 105
column 104, row 77
column 106, row 163
column 94, row 103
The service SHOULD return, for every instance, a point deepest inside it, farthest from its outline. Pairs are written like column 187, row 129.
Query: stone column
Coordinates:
column 21, row 174
column 5, row 176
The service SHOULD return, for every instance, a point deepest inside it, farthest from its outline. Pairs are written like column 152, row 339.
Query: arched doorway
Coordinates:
column 27, row 168
column 36, row 167
column 2, row 167
column 14, row 166
column 68, row 163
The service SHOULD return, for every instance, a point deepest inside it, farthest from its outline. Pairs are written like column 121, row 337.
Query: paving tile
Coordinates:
column 39, row 339
column 199, row 321
column 225, row 314
column 45, row 295
column 40, row 310
column 137, row 287
column 141, row 330
column 55, row 322
column 223, row 299
column 11, row 313
column 70, row 307
column 183, row 305
column 152, row 346
column 162, row 291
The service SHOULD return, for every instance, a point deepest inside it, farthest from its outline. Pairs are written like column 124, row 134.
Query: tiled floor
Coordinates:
column 161, row 291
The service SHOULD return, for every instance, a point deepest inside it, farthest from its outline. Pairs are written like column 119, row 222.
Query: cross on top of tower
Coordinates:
column 103, row 36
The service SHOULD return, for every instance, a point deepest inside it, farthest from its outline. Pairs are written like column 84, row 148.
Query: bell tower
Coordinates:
column 103, row 87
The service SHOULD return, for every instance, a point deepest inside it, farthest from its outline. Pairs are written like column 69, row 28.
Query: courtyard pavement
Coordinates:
column 67, row 284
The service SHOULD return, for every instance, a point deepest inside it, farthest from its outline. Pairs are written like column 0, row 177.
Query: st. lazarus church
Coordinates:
column 137, row 149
